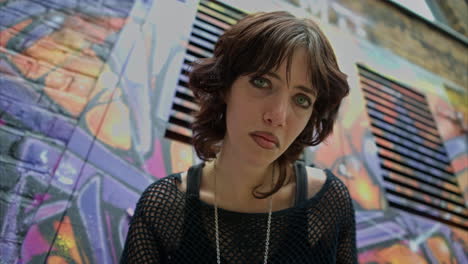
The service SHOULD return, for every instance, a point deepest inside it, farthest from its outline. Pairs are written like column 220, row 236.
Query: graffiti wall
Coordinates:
column 85, row 93
column 386, row 234
column 80, row 129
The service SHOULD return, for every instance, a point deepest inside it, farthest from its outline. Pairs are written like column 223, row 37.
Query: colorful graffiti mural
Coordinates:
column 78, row 141
column 85, row 87
column 384, row 234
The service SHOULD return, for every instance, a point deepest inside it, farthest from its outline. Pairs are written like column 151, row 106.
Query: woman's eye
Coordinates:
column 260, row 82
column 303, row 101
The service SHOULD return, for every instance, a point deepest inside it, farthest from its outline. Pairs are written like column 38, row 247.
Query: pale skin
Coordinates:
column 260, row 103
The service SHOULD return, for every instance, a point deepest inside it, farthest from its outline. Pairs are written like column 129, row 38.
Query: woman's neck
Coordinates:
column 236, row 180
column 232, row 195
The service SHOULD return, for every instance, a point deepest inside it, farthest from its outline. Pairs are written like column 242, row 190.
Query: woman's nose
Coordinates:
column 277, row 111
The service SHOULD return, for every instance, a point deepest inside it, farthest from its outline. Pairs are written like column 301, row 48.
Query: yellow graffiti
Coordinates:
column 65, row 245
column 115, row 129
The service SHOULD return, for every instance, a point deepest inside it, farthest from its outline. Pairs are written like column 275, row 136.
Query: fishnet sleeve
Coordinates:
column 142, row 243
column 346, row 250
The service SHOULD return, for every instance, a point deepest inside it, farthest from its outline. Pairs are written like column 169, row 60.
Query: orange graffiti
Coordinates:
column 81, row 85
column 70, row 38
column 115, row 23
column 366, row 194
column 181, row 156
column 98, row 30
column 460, row 162
column 48, row 49
column 24, row 64
column 444, row 115
column 65, row 244
column 56, row 260
column 361, row 187
column 59, row 80
column 440, row 249
column 65, row 58
column 115, row 130
column 353, row 172
column 11, row 32
column 74, row 104
column 399, row 253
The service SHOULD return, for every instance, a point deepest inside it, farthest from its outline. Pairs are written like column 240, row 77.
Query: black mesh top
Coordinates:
column 170, row 226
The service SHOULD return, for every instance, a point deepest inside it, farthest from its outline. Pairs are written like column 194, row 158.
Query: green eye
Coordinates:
column 303, row 101
column 260, row 82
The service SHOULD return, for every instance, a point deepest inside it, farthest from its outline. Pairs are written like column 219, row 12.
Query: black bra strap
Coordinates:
column 193, row 180
column 194, row 175
column 301, row 182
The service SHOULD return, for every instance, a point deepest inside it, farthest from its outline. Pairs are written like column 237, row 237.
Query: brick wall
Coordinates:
column 51, row 55
column 70, row 156
column 455, row 13
column 413, row 39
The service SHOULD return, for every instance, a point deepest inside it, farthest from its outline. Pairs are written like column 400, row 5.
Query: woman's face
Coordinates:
column 257, row 104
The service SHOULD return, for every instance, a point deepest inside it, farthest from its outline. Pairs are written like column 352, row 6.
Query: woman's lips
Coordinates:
column 264, row 143
column 267, row 136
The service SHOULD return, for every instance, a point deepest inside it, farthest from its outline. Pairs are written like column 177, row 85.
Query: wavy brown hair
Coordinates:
column 257, row 44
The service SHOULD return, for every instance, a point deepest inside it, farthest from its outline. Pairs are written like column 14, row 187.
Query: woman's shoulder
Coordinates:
column 323, row 182
column 332, row 200
column 316, row 179
column 163, row 187
column 160, row 199
column 337, row 186
column 167, row 180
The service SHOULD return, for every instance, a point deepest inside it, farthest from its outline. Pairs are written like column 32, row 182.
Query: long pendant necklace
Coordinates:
column 267, row 240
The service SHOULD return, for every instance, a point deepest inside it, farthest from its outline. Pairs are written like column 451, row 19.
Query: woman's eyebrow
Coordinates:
column 300, row 87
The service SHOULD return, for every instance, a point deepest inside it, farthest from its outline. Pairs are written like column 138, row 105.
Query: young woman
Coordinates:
column 272, row 88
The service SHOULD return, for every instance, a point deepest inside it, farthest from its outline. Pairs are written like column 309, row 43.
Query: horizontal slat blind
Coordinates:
column 212, row 19
column 418, row 177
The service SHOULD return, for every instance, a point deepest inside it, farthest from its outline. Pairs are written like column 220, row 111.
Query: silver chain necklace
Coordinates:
column 267, row 241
